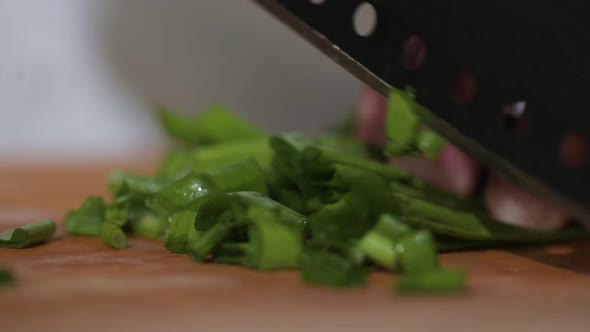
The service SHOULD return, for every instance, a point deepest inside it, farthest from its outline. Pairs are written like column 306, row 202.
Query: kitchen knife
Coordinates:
column 506, row 81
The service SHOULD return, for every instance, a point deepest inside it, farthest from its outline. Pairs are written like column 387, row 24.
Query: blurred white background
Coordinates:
column 78, row 78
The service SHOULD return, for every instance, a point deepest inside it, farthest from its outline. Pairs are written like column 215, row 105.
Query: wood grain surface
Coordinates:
column 78, row 284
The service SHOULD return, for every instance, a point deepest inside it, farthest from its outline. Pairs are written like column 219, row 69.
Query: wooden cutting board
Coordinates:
column 78, row 284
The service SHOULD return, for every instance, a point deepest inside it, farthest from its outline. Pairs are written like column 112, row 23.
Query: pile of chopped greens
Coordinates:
column 326, row 206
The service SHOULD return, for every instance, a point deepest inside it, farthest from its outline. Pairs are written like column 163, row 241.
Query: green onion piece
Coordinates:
column 187, row 192
column 182, row 194
column 205, row 158
column 417, row 253
column 246, row 175
column 202, row 247
column 236, row 205
column 474, row 226
column 139, row 185
column 113, row 236
column 430, row 143
column 180, row 226
column 379, row 249
column 28, row 235
column 343, row 223
column 329, row 269
column 392, row 227
column 402, row 124
column 150, row 226
column 273, row 244
column 87, row 219
column 6, row 277
column 379, row 243
column 117, row 215
column 437, row 196
column 213, row 126
column 301, row 159
column 224, row 217
column 434, row 281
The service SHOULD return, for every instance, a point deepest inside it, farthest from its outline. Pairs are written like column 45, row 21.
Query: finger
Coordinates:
column 372, row 109
column 517, row 207
column 453, row 171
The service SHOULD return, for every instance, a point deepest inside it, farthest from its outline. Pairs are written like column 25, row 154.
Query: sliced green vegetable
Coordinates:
column 150, row 226
column 226, row 217
column 402, row 124
column 28, row 235
column 188, row 192
column 6, row 277
column 113, row 236
column 434, row 281
column 430, row 143
column 202, row 247
column 139, row 185
column 180, row 227
column 272, row 244
column 206, row 158
column 87, row 219
column 213, row 126
column 330, row 269
column 436, row 196
column 417, row 253
column 116, row 214
column 379, row 243
column 344, row 222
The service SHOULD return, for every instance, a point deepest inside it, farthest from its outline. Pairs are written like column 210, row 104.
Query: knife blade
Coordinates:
column 505, row 81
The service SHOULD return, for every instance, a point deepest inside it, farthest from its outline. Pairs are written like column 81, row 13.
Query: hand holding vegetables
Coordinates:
column 456, row 172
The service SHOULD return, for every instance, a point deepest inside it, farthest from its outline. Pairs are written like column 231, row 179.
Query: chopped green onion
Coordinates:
column 430, row 143
column 379, row 243
column 272, row 244
column 205, row 158
column 28, row 235
column 180, row 226
column 113, row 236
column 150, row 226
column 434, row 281
column 417, row 253
column 329, row 269
column 6, row 277
column 87, row 219
column 402, row 124
column 213, row 126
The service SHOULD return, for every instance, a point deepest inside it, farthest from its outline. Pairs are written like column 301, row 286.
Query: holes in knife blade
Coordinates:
column 465, row 87
column 413, row 53
column 318, row 2
column 573, row 151
column 516, row 117
column 364, row 19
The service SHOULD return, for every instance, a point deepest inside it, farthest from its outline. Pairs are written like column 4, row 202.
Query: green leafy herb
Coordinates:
column 28, row 235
